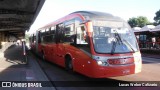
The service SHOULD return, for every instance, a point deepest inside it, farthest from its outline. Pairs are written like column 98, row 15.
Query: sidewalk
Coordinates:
column 151, row 55
column 12, row 68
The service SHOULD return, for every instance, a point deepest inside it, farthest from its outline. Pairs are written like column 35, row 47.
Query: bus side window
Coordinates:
column 53, row 31
column 81, row 35
column 69, row 34
column 59, row 33
column 39, row 37
column 32, row 39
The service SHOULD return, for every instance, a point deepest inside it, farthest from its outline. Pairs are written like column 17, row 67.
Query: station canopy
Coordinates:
column 157, row 28
column 16, row 16
column 146, row 28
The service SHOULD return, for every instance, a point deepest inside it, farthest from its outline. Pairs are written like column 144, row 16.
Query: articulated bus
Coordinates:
column 95, row 44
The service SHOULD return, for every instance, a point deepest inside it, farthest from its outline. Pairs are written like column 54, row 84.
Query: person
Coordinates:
column 158, row 43
column 153, row 41
column 18, row 42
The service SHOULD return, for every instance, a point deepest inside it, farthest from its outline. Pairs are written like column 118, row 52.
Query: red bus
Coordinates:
column 95, row 44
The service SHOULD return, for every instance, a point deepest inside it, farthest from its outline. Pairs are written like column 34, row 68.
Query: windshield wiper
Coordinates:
column 113, row 48
column 129, row 45
column 118, row 38
column 120, row 41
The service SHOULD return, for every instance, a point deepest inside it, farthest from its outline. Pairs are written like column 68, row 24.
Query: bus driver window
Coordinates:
column 81, row 35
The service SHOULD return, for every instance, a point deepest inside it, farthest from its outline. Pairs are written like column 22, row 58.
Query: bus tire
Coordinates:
column 43, row 56
column 69, row 65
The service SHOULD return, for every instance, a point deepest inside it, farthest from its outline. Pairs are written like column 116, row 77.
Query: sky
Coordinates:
column 55, row 9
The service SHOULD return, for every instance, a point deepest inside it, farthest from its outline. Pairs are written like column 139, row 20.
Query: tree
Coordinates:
column 140, row 21
column 133, row 22
column 157, row 17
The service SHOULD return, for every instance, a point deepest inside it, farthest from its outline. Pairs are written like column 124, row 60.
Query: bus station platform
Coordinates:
column 14, row 68
column 150, row 53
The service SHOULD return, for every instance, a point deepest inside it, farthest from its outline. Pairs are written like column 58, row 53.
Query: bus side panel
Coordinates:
column 39, row 48
column 53, row 57
column 37, row 43
column 59, row 55
column 84, row 62
column 81, row 61
column 85, row 65
column 46, row 52
column 33, row 46
column 73, row 52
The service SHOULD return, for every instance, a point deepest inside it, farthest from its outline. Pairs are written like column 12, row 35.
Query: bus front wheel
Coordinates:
column 69, row 65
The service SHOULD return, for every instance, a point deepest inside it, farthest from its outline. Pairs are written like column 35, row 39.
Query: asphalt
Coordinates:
column 13, row 68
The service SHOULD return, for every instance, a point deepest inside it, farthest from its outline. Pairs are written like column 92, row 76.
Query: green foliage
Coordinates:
column 133, row 22
column 140, row 21
column 157, row 17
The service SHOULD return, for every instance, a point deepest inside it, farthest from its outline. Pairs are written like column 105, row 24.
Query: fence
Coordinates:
column 149, row 45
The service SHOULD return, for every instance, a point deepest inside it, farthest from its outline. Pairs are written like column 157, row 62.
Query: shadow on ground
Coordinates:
column 13, row 54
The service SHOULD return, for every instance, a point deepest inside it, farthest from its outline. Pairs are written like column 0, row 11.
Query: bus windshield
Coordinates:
column 112, row 40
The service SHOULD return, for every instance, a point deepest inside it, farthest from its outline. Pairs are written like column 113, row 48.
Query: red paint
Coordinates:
column 83, row 63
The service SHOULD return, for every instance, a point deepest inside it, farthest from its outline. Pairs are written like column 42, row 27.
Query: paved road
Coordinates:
column 150, row 72
column 13, row 68
column 17, row 71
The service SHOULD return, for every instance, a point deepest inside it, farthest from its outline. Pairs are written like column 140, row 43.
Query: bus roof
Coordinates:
column 94, row 15
column 88, row 15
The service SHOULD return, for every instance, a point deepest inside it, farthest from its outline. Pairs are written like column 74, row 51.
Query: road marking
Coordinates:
column 30, row 75
column 29, row 78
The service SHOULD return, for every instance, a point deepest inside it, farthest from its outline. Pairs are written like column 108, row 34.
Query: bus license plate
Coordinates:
column 127, row 71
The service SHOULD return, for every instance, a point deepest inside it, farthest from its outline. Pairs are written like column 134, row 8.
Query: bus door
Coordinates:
column 49, row 51
column 52, row 46
column 37, row 46
column 33, row 41
column 60, row 54
column 53, row 52
column 59, row 45
column 83, row 49
column 38, row 42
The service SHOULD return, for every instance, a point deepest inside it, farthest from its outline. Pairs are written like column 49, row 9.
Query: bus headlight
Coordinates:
column 102, row 63
column 99, row 62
